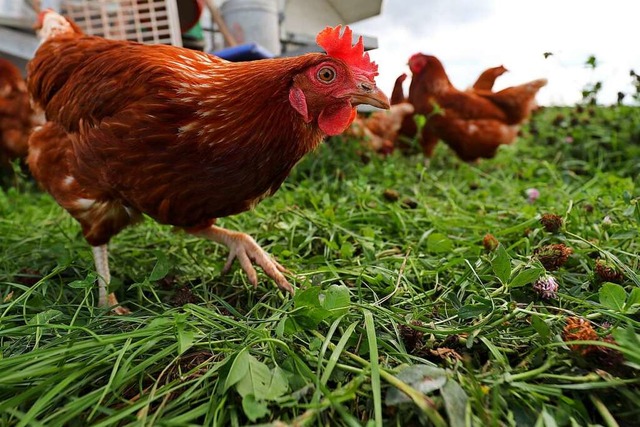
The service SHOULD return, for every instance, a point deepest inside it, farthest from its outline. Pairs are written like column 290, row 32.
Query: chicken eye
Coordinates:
column 326, row 74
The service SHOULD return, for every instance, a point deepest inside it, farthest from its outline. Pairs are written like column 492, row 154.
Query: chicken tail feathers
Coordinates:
column 535, row 85
column 50, row 24
column 397, row 96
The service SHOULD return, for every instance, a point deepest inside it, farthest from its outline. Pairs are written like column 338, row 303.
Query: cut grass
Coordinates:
column 392, row 295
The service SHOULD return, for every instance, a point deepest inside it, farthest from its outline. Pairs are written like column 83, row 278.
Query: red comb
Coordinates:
column 340, row 47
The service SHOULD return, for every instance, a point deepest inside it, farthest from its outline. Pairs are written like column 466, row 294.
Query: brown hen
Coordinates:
column 182, row 136
column 487, row 79
column 473, row 124
column 17, row 119
column 379, row 130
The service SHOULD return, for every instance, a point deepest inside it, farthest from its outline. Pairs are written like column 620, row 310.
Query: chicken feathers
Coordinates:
column 182, row 136
column 487, row 79
column 17, row 119
column 473, row 123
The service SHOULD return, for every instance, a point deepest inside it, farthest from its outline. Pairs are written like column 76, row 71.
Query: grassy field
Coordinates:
column 405, row 313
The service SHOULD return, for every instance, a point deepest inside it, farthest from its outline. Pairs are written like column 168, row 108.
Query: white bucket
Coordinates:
column 253, row 21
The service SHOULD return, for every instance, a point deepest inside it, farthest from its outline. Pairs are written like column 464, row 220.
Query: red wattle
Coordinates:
column 334, row 119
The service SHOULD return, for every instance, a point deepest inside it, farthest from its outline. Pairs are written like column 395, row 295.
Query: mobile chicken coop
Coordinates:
column 279, row 27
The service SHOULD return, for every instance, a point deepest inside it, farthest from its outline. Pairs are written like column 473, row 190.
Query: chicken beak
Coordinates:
column 368, row 93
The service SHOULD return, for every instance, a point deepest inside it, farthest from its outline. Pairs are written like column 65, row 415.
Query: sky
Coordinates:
column 469, row 36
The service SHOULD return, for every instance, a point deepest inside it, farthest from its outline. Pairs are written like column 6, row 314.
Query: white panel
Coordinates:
column 17, row 43
column 311, row 16
column 356, row 10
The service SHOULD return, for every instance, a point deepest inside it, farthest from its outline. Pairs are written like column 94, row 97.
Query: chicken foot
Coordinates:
column 101, row 260
column 245, row 249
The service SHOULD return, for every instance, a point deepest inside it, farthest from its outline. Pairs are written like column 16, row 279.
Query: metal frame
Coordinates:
column 121, row 19
column 144, row 21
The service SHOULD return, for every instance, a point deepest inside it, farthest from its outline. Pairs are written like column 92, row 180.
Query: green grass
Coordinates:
column 401, row 316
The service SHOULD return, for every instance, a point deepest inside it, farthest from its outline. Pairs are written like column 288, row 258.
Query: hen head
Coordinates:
column 50, row 24
column 421, row 63
column 430, row 69
column 328, row 91
column 417, row 62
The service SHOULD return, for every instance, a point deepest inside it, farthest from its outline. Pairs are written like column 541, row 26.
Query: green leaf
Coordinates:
column 256, row 380
column 44, row 317
column 628, row 339
column 336, row 300
column 309, row 311
column 346, row 250
column 629, row 211
column 420, row 120
column 439, row 243
column 368, row 232
column 160, row 323
column 261, row 382
column 87, row 283
column 281, row 327
column 612, row 296
column 473, row 310
column 331, row 245
column 278, row 385
column 238, row 370
column 624, row 235
column 633, row 299
column 253, row 408
column 161, row 269
column 547, row 419
column 501, row 264
column 40, row 319
column 423, row 378
column 290, row 326
column 455, row 403
column 540, row 326
column 185, row 338
column 329, row 213
column 314, row 305
column 184, row 332
column 525, row 277
column 307, row 297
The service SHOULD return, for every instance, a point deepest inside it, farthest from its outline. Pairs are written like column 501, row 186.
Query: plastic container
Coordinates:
column 244, row 52
column 253, row 21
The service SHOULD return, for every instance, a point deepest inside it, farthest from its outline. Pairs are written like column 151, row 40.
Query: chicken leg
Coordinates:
column 245, row 249
column 101, row 260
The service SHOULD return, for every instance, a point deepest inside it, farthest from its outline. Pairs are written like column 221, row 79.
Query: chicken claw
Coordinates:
column 120, row 310
column 245, row 249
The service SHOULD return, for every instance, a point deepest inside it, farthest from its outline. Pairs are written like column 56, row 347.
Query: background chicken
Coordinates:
column 180, row 135
column 487, row 79
column 517, row 101
column 408, row 128
column 397, row 94
column 16, row 116
column 379, row 130
column 474, row 124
